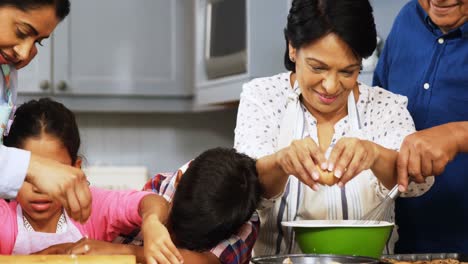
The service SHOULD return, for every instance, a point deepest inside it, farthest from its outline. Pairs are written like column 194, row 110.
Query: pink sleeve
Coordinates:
column 9, row 227
column 113, row 213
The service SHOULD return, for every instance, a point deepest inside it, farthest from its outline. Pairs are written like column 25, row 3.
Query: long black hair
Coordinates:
column 36, row 117
column 62, row 7
column 310, row 20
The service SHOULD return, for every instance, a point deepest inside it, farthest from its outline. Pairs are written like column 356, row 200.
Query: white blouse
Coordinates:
column 383, row 119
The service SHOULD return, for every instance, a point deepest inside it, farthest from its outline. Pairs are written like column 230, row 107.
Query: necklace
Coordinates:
column 61, row 224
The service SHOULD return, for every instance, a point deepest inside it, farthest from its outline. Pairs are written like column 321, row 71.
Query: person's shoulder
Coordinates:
column 8, row 207
column 267, row 85
column 381, row 97
column 408, row 9
column 268, row 92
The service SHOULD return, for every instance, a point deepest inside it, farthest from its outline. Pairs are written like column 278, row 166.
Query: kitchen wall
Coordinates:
column 385, row 12
column 162, row 142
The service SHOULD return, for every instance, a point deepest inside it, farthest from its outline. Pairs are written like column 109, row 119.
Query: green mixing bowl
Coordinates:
column 342, row 237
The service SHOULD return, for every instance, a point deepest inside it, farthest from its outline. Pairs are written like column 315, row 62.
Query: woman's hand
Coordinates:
column 64, row 183
column 300, row 159
column 351, row 156
column 158, row 246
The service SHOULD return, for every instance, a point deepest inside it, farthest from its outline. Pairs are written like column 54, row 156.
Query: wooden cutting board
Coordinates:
column 68, row 259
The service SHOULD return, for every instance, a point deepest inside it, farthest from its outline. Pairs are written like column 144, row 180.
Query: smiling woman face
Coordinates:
column 20, row 31
column 327, row 72
column 446, row 14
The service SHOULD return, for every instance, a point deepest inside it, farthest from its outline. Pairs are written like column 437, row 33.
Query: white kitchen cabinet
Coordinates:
column 117, row 48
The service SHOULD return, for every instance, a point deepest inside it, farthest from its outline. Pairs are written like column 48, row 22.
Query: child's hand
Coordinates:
column 158, row 246
column 58, row 249
column 95, row 247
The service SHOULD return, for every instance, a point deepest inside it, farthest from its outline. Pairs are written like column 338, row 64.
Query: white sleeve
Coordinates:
column 13, row 167
column 255, row 133
column 393, row 124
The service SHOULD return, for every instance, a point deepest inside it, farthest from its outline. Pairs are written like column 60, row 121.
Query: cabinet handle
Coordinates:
column 62, row 86
column 44, row 85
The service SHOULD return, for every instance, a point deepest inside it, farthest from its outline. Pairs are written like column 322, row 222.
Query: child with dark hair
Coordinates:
column 218, row 193
column 35, row 220
column 212, row 217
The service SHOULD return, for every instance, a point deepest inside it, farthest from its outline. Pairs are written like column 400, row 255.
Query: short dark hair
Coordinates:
column 62, row 7
column 351, row 20
column 36, row 117
column 216, row 195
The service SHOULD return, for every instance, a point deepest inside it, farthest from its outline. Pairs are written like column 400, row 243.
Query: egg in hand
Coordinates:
column 326, row 177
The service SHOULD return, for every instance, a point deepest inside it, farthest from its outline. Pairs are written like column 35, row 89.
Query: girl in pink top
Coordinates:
column 34, row 221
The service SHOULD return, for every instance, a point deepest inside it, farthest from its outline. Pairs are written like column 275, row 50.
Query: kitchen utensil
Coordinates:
column 312, row 259
column 342, row 237
column 381, row 211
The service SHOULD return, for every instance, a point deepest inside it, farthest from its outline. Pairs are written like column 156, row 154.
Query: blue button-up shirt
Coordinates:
column 431, row 69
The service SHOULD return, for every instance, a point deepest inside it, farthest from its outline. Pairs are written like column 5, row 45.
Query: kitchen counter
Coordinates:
column 68, row 259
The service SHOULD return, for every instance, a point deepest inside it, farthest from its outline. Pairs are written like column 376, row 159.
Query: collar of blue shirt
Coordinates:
column 461, row 31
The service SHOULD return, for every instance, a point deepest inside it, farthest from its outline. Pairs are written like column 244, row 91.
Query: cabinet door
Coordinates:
column 36, row 78
column 121, row 47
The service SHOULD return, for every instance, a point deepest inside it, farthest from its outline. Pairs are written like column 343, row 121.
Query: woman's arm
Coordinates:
column 272, row 178
column 384, row 167
column 427, row 152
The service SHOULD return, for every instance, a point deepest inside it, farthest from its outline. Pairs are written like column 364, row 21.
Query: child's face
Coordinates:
column 37, row 206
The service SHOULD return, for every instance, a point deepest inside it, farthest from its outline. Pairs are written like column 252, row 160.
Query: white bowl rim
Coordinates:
column 335, row 223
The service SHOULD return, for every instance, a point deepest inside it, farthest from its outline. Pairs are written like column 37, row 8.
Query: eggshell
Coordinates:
column 326, row 177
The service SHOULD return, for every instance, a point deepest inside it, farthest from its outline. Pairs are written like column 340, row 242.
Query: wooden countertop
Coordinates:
column 68, row 259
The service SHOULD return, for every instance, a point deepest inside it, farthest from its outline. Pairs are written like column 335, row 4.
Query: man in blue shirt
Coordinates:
column 426, row 59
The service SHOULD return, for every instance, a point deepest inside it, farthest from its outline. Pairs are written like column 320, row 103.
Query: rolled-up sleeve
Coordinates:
column 13, row 167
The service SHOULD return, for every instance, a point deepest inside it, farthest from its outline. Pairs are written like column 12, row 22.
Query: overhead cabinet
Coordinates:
column 117, row 48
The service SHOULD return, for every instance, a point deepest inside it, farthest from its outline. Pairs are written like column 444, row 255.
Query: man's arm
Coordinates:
column 460, row 130
column 426, row 153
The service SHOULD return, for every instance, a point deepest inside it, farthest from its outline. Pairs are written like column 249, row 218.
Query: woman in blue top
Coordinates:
column 23, row 25
column 426, row 59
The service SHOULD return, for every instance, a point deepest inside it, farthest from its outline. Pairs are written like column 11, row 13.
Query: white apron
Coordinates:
column 299, row 201
column 28, row 242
